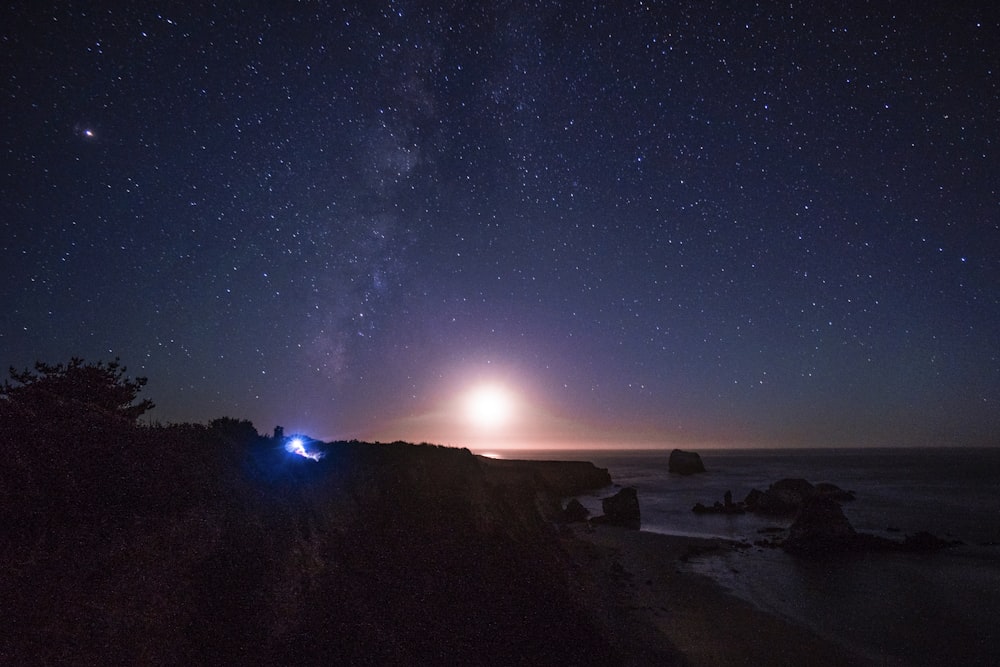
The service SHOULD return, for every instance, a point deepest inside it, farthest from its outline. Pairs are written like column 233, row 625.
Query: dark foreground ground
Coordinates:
column 194, row 545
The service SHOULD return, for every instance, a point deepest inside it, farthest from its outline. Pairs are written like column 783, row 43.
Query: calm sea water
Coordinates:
column 936, row 609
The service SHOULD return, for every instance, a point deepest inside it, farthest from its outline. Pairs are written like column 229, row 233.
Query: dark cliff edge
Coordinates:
column 554, row 478
column 189, row 545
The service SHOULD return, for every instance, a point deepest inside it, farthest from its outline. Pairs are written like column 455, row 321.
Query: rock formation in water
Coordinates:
column 783, row 498
column 727, row 506
column 685, row 463
column 621, row 509
column 819, row 529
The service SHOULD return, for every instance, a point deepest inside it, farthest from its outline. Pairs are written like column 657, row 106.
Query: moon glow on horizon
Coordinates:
column 489, row 406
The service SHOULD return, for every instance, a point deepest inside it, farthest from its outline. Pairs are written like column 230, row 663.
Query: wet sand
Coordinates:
column 646, row 599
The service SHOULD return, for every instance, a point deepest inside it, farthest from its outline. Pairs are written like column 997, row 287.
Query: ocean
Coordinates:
column 899, row 609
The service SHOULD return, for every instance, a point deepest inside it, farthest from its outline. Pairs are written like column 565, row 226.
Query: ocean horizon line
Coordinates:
column 504, row 452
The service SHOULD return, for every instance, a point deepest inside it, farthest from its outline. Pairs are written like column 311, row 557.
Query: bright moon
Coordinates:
column 489, row 406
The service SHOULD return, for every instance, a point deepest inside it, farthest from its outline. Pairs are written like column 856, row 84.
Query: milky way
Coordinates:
column 657, row 223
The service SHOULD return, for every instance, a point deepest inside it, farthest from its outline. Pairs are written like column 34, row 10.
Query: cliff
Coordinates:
column 552, row 478
column 193, row 545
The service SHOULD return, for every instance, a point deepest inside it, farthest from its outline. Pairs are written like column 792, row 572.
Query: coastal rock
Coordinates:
column 750, row 502
column 727, row 506
column 925, row 542
column 621, row 509
column 820, row 529
column 575, row 511
column 784, row 496
column 834, row 492
column 685, row 463
column 718, row 508
column 557, row 478
column 787, row 496
column 568, row 477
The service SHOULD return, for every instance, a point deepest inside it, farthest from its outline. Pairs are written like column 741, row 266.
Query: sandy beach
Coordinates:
column 650, row 603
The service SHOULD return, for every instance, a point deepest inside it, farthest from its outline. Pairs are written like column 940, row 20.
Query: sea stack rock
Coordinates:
column 685, row 463
column 834, row 492
column 785, row 496
column 819, row 530
column 622, row 509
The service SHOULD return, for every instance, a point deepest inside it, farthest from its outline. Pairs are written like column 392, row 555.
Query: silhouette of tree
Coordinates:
column 74, row 388
column 241, row 431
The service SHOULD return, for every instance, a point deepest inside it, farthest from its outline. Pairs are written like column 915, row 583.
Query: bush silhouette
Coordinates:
column 239, row 431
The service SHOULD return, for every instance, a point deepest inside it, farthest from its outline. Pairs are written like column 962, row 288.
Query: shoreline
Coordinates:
column 891, row 608
column 649, row 601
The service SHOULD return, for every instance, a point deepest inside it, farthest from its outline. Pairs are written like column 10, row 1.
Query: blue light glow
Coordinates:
column 297, row 446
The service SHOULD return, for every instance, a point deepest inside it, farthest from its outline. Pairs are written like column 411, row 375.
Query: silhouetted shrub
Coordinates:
column 237, row 431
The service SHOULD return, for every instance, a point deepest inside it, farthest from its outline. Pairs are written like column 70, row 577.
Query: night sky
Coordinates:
column 649, row 223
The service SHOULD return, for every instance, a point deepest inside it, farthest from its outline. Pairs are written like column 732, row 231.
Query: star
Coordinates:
column 85, row 132
column 681, row 210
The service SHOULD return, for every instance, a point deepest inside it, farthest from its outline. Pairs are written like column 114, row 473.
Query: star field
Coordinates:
column 660, row 224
